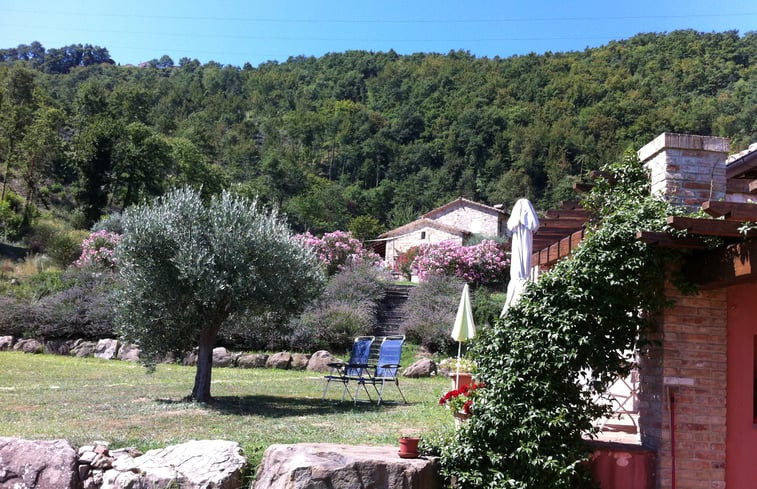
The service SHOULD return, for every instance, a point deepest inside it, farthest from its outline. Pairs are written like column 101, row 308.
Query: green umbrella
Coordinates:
column 464, row 328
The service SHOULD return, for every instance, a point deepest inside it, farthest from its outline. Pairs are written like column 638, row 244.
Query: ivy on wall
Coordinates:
column 561, row 345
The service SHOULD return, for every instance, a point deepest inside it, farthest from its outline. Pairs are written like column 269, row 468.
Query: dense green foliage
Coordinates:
column 359, row 134
column 560, row 346
column 187, row 267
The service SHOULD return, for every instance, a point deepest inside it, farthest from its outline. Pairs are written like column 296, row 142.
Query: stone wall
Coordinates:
column 689, row 363
column 473, row 219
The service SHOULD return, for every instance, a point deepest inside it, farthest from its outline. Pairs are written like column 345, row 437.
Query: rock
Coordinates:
column 58, row 347
column 202, row 464
column 6, row 342
column 37, row 464
column 190, row 358
column 83, row 348
column 222, row 357
column 129, row 353
column 321, row 465
column 252, row 360
column 106, row 349
column 424, row 367
column 29, row 346
column 319, row 361
column 299, row 361
column 279, row 360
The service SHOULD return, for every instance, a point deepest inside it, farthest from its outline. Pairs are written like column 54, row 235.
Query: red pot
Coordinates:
column 409, row 447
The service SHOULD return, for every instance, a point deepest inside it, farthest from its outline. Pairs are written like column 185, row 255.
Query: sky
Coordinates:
column 239, row 31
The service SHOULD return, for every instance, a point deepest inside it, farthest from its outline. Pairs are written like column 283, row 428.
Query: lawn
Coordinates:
column 88, row 399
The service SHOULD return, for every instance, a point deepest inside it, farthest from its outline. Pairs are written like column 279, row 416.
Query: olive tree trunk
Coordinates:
column 201, row 390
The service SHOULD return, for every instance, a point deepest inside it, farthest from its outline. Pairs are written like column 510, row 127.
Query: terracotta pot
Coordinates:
column 465, row 379
column 409, row 447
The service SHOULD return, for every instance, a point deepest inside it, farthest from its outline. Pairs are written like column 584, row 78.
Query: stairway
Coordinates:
column 389, row 316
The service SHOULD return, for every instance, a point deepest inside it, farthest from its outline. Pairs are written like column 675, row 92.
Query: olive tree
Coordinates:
column 187, row 266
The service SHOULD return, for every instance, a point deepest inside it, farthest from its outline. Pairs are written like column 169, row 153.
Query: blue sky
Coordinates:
column 237, row 31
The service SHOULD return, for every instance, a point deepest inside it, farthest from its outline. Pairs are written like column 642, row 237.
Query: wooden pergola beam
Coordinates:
column 742, row 185
column 721, row 267
column 665, row 240
column 550, row 254
column 572, row 214
column 707, row 227
column 737, row 211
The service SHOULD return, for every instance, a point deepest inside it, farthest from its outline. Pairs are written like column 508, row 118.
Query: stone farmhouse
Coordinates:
column 456, row 221
column 696, row 391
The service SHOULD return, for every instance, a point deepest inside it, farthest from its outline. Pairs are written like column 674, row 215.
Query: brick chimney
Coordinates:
column 686, row 169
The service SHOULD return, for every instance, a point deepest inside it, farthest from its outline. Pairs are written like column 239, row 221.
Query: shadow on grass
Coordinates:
column 281, row 407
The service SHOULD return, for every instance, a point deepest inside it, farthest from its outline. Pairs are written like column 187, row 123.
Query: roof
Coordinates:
column 423, row 222
column 465, row 202
column 743, row 163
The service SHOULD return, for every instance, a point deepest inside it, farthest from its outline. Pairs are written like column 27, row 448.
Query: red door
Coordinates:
column 741, row 414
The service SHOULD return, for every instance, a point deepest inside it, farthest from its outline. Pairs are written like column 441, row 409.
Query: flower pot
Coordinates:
column 465, row 379
column 409, row 447
column 460, row 418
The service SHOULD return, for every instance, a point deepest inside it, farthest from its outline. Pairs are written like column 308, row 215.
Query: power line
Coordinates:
column 379, row 21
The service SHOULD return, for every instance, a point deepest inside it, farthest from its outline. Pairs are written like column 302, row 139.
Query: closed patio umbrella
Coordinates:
column 523, row 223
column 464, row 328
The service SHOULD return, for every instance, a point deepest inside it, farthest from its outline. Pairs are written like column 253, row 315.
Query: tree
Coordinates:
column 187, row 267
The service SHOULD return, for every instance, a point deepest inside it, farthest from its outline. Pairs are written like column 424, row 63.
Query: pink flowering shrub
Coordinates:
column 99, row 249
column 481, row 264
column 338, row 249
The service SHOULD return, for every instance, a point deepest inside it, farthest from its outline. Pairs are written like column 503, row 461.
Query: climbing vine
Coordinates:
column 561, row 345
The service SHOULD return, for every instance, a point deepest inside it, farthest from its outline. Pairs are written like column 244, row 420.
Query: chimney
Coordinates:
column 686, row 169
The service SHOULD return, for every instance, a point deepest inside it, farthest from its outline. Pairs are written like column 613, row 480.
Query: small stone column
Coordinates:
column 686, row 169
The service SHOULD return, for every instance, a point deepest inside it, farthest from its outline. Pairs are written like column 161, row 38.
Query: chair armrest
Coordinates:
column 335, row 364
column 390, row 365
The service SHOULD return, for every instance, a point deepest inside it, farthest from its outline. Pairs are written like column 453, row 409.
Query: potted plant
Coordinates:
column 460, row 370
column 409, row 446
column 460, row 401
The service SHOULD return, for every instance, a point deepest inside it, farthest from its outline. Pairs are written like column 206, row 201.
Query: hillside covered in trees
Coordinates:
column 374, row 136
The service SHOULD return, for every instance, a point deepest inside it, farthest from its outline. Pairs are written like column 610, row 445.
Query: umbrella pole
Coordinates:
column 457, row 364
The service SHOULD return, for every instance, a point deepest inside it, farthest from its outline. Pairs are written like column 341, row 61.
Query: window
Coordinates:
column 423, row 234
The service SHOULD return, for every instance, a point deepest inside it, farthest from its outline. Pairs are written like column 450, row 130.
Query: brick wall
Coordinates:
column 687, row 169
column 690, row 361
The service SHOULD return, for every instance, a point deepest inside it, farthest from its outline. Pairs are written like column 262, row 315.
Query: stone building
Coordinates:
column 456, row 221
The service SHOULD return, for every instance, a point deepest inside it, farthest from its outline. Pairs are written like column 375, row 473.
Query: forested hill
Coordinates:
column 359, row 133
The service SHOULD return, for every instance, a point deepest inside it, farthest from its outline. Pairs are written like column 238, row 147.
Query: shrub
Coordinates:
column 347, row 309
column 403, row 263
column 481, row 264
column 110, row 223
column 331, row 326
column 255, row 331
column 430, row 313
column 66, row 247
column 99, row 250
column 338, row 249
column 11, row 215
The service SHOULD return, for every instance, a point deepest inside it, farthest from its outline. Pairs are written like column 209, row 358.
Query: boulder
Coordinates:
column 37, row 464
column 319, row 361
column 252, row 360
column 279, row 360
column 320, row 465
column 129, row 352
column 106, row 349
column 83, row 348
column 6, row 342
column 222, row 357
column 201, row 464
column 29, row 346
column 190, row 358
column 424, row 367
column 299, row 361
column 59, row 347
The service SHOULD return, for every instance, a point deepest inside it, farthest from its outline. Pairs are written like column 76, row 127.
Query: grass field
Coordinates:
column 88, row 399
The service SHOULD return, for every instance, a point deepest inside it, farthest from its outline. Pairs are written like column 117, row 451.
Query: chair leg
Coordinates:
column 397, row 383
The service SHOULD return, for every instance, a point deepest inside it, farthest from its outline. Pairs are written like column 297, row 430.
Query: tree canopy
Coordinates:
column 371, row 134
column 187, row 267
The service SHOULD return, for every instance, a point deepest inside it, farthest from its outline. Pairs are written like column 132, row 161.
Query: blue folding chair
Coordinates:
column 387, row 367
column 353, row 369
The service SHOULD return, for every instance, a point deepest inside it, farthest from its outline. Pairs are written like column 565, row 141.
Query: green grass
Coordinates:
column 83, row 400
